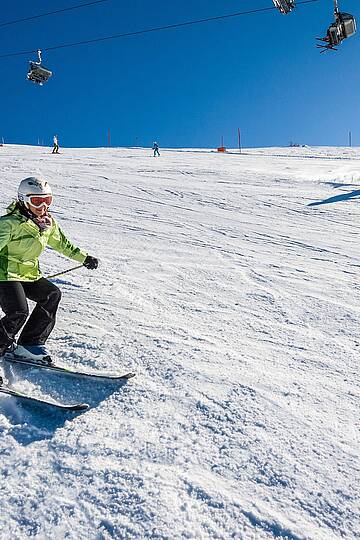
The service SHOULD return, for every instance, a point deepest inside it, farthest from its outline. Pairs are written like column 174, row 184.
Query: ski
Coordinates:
column 69, row 371
column 41, row 401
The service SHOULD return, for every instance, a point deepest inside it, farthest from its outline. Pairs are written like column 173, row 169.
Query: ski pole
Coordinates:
column 65, row 271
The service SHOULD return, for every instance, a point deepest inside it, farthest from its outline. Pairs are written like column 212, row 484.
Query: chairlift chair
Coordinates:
column 284, row 6
column 343, row 28
column 38, row 73
column 348, row 25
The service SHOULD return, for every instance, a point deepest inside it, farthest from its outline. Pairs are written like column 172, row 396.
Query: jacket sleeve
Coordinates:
column 59, row 242
column 5, row 232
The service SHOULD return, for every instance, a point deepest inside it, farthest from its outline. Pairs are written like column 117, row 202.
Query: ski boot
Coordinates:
column 36, row 354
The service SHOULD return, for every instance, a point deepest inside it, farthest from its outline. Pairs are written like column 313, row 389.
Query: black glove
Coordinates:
column 91, row 262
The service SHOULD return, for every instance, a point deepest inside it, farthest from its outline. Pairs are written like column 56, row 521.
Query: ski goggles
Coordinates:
column 39, row 200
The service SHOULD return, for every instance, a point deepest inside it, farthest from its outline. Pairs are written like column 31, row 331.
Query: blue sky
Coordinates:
column 185, row 87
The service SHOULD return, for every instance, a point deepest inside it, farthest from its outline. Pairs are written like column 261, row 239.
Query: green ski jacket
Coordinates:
column 22, row 242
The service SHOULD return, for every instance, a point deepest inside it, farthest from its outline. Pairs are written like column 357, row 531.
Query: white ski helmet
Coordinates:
column 32, row 187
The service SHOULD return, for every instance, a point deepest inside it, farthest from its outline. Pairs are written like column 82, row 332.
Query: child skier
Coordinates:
column 25, row 231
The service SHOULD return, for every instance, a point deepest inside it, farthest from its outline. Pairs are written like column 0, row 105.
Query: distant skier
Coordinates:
column 25, row 232
column 156, row 149
column 56, row 145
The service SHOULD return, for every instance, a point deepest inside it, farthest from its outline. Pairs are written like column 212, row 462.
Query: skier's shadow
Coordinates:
column 32, row 422
column 338, row 198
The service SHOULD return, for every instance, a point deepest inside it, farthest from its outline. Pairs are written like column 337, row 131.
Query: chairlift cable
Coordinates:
column 32, row 17
column 150, row 30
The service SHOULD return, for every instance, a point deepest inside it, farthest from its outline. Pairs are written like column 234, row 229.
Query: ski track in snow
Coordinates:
column 229, row 284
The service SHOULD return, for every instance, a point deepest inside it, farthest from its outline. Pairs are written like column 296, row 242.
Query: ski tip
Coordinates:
column 30, row 399
column 129, row 375
column 79, row 407
column 115, row 377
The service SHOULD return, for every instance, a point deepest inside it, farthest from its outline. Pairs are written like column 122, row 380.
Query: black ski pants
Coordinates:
column 13, row 302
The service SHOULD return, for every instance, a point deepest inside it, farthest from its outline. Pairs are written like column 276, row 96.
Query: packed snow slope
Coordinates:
column 230, row 285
